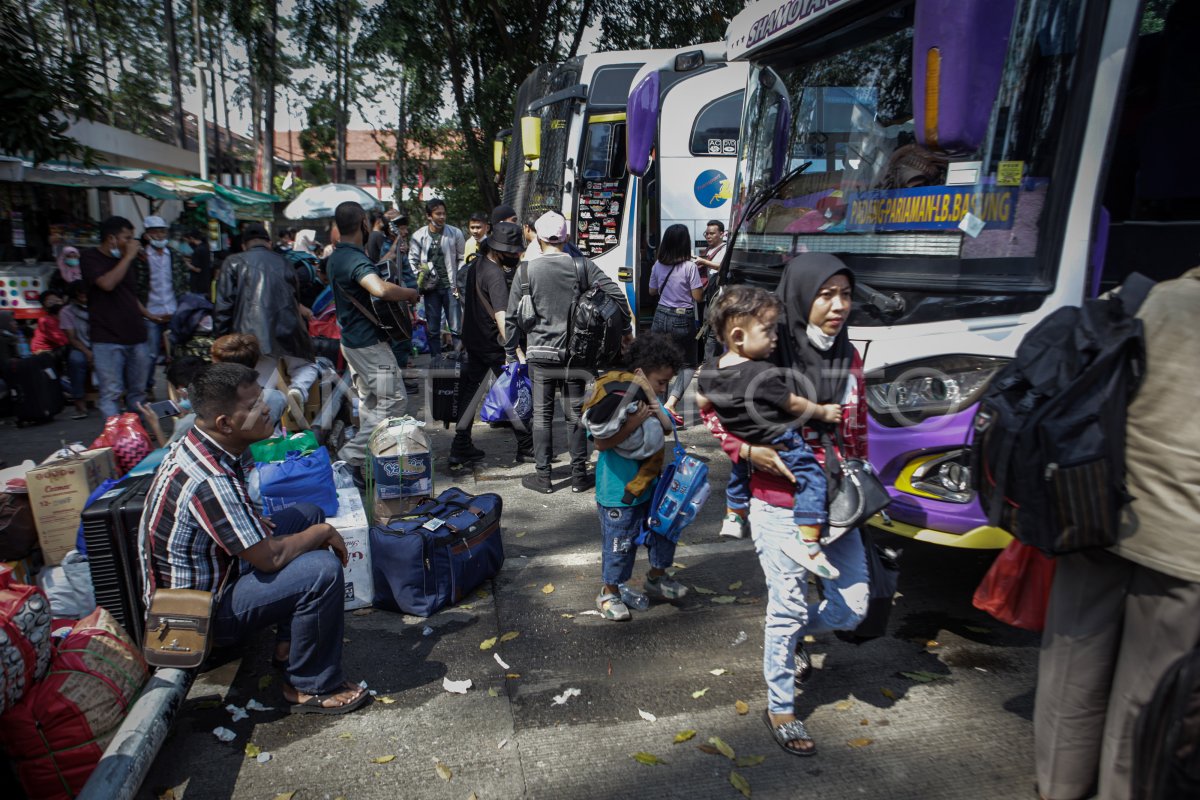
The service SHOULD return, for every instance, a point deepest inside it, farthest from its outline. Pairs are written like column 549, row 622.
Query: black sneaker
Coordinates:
column 581, row 483
column 803, row 665
column 526, row 456
column 538, row 483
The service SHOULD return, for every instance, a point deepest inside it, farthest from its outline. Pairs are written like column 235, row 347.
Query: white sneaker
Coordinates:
column 734, row 526
column 813, row 560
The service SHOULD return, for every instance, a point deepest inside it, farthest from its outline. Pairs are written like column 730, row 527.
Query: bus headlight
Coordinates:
column 905, row 394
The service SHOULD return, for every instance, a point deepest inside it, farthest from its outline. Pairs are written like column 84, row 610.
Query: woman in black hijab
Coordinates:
column 816, row 293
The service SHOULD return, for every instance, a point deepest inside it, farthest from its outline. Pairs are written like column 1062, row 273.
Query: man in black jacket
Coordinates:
column 485, row 302
column 256, row 294
column 552, row 286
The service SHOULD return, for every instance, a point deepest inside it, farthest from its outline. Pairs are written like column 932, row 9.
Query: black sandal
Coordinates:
column 788, row 732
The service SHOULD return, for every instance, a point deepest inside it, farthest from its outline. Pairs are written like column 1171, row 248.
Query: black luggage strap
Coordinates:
column 1134, row 291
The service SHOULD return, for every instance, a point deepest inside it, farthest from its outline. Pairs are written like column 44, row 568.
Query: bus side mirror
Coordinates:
column 958, row 59
column 641, row 124
column 531, row 138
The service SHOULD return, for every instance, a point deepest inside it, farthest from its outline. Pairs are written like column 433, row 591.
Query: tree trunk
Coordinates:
column 173, row 65
column 100, row 37
column 255, row 114
column 585, row 14
column 33, row 37
column 212, row 86
column 487, row 187
column 233, row 162
column 269, row 115
column 342, row 67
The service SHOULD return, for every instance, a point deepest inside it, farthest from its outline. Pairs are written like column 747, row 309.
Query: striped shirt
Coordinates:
column 198, row 516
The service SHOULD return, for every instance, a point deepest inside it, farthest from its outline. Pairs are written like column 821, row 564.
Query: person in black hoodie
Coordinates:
column 551, row 286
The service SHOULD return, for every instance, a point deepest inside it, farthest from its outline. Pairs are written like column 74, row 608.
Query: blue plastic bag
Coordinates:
column 511, row 397
column 420, row 339
column 302, row 478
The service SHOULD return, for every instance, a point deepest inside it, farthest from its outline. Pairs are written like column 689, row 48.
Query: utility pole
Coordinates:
column 201, row 125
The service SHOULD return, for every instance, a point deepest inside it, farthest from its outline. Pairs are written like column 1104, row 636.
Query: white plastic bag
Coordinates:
column 68, row 586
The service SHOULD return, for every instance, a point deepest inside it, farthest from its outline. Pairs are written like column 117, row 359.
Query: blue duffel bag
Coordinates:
column 438, row 553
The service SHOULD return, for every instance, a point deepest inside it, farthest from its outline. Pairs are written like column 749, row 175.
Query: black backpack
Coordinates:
column 596, row 324
column 1166, row 755
column 1049, row 450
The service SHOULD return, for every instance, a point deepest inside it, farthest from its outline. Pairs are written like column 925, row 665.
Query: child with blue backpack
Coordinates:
column 625, row 417
column 755, row 401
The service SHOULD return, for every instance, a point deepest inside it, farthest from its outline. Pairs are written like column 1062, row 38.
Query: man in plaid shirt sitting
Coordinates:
column 199, row 528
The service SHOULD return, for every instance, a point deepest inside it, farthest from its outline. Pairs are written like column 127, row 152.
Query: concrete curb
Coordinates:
column 129, row 755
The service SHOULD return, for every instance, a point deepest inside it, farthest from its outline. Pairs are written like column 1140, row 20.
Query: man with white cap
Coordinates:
column 552, row 286
column 162, row 279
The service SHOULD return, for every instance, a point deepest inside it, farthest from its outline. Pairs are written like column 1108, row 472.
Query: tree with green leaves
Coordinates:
column 658, row 23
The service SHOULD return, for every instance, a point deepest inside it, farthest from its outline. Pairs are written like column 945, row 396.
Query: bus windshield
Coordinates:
column 926, row 154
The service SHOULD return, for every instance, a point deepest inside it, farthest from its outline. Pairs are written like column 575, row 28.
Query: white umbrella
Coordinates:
column 318, row 202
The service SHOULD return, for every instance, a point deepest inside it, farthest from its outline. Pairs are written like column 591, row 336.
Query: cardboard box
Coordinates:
column 58, row 490
column 351, row 523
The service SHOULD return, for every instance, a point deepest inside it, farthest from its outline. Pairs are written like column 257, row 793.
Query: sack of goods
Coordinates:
column 399, row 468
column 437, row 554
column 24, row 638
column 58, row 732
column 301, row 478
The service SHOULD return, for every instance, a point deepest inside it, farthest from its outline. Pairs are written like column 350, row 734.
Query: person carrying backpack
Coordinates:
column 1119, row 617
column 541, row 304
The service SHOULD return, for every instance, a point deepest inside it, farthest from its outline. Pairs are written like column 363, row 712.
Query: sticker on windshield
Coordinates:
column 712, row 188
column 1008, row 173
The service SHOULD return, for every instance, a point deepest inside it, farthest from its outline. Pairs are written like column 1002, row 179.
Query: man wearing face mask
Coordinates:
column 116, row 316
column 485, row 303
column 163, row 278
column 376, row 375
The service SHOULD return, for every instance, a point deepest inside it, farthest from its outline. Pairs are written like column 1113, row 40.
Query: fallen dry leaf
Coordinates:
column 708, row 748
column 932, row 643
column 724, row 599
column 493, row 691
column 472, row 796
column 548, row 588
column 843, row 705
column 487, row 644
column 677, row 565
column 750, row 761
column 739, row 783
column 346, row 735
column 646, row 715
column 718, row 672
column 169, row 794
column 863, row 742
column 733, row 587
column 810, row 639
column 508, row 637
column 741, row 707
column 513, row 675
column 696, row 695
column 387, row 701
column 683, row 736
column 568, row 616
column 519, row 534
column 922, row 676
column 482, row 594
column 648, row 759
column 702, row 590
column 864, row 722
column 285, row 795
column 383, row 759
column 362, row 612
column 443, row 771
column 722, row 747
column 252, row 750
column 888, row 693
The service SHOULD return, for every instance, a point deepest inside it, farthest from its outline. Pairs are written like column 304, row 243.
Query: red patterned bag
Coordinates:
column 24, row 638
column 128, row 439
column 57, row 733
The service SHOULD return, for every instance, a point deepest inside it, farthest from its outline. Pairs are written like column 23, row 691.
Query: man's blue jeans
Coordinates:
column 304, row 599
column 437, row 302
column 120, row 370
column 77, row 372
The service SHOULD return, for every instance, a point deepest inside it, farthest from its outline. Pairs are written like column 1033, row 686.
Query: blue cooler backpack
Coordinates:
column 680, row 494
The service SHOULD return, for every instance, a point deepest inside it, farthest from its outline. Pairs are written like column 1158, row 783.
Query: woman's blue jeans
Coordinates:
column 682, row 329
column 789, row 614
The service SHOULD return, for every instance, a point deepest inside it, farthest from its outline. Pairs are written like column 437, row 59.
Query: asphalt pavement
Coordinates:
column 957, row 725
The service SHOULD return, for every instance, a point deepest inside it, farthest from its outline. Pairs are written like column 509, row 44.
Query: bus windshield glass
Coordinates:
column 928, row 152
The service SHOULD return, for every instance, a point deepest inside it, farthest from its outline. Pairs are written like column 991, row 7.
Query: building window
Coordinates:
column 350, row 175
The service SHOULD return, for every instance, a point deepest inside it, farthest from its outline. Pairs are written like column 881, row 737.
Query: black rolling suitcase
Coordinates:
column 445, row 376
column 110, row 530
column 38, row 393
